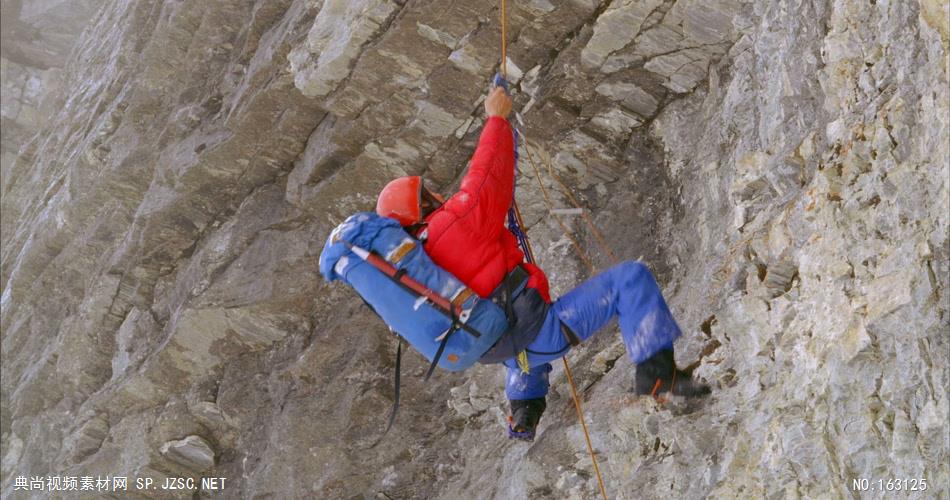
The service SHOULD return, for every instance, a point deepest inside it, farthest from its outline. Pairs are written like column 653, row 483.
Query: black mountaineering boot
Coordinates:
column 525, row 415
column 656, row 375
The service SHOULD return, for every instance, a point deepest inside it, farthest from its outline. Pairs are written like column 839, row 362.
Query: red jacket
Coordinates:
column 467, row 235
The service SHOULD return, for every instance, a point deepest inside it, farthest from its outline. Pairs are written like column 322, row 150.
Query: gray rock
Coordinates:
column 631, row 96
column 616, row 28
column 335, row 40
column 89, row 438
column 192, row 452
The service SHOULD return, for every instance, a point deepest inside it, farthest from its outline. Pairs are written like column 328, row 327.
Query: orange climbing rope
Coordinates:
column 504, row 40
column 580, row 416
column 601, row 243
column 570, row 380
column 530, row 252
column 598, row 237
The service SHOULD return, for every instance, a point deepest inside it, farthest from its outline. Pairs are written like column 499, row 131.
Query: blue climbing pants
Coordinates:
column 627, row 291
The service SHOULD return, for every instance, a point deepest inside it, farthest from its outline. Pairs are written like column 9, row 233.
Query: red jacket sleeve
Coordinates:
column 486, row 190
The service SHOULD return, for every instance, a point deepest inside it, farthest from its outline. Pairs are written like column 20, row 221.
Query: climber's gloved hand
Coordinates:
column 498, row 103
column 524, row 419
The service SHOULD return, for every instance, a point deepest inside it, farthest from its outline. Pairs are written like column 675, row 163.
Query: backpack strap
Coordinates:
column 445, row 339
column 396, row 381
column 392, row 413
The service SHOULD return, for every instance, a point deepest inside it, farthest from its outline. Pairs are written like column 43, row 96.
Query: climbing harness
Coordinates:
column 526, row 311
column 516, row 223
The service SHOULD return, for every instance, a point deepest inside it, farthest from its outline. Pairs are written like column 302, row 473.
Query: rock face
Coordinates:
column 36, row 42
column 781, row 166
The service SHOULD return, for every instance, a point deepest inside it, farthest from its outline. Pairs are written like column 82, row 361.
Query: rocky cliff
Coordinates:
column 171, row 169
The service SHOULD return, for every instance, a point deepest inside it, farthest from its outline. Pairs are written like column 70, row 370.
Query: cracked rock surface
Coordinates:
column 171, row 169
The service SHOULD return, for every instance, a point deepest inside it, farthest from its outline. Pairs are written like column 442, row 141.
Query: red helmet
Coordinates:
column 405, row 199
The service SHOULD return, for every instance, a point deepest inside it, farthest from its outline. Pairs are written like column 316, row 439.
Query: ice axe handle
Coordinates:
column 499, row 81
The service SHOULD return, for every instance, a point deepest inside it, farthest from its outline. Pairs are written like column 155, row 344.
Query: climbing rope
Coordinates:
column 579, row 250
column 598, row 237
column 593, row 227
column 504, row 40
column 567, row 368
column 529, row 254
column 515, row 214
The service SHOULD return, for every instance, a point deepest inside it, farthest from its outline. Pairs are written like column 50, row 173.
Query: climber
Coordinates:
column 465, row 234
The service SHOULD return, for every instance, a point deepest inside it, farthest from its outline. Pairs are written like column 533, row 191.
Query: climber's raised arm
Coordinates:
column 488, row 186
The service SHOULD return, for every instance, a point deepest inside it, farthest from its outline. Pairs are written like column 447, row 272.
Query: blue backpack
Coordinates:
column 426, row 305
